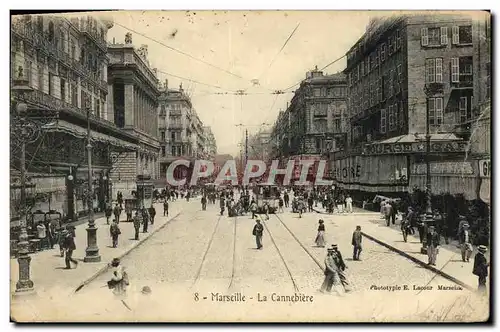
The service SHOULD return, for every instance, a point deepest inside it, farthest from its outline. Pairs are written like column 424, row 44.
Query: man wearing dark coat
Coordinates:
column 152, row 214
column 145, row 220
column 137, row 224
column 433, row 241
column 258, row 229
column 356, row 242
column 70, row 246
column 339, row 261
column 165, row 208
column 481, row 268
column 286, row 198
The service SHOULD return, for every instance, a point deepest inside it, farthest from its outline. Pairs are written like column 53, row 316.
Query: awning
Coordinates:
column 62, row 126
column 413, row 138
column 452, row 184
column 485, row 190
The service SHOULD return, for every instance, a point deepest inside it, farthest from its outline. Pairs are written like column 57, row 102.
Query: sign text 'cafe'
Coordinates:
column 420, row 147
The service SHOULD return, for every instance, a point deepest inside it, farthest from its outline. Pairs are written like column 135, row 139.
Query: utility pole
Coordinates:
column 246, row 147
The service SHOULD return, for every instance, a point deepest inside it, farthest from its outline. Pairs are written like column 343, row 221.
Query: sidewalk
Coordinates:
column 449, row 262
column 355, row 211
column 47, row 267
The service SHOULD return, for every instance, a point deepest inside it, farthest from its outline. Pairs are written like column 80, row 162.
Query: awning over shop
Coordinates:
column 452, row 184
column 485, row 190
column 413, row 138
column 62, row 126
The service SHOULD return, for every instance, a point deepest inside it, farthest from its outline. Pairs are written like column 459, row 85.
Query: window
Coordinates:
column 462, row 35
column 362, row 65
column 51, row 31
column 73, row 50
column 383, row 121
column 434, row 70
column 162, row 136
column 74, row 95
column 172, row 136
column 435, row 106
column 97, row 108
column 488, row 80
column 382, row 52
column 317, row 92
column 29, row 74
column 51, row 84
column 461, row 70
column 173, row 151
column 63, row 89
column 390, row 81
column 40, row 78
column 462, row 107
column 444, row 36
column 377, row 51
column 401, row 116
column 390, row 45
column 321, row 125
column 378, row 91
column 398, row 39
column 163, row 151
column 434, row 36
column 397, row 78
column 337, row 125
column 392, row 122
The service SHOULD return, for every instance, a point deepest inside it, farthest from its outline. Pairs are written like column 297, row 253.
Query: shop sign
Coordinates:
column 449, row 167
column 420, row 147
column 485, row 168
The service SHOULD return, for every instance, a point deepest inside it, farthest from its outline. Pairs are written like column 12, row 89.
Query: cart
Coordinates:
column 267, row 198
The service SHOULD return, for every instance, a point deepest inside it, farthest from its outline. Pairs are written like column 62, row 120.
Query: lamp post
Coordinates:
column 92, row 250
column 428, row 216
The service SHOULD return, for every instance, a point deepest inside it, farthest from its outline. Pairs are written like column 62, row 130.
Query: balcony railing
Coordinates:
column 175, row 125
column 93, row 34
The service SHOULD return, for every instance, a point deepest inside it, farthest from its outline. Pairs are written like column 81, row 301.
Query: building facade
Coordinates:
column 210, row 143
column 132, row 106
column 64, row 60
column 404, row 74
column 315, row 121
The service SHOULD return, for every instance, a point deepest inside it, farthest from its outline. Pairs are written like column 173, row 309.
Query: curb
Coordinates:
column 106, row 268
column 419, row 262
column 348, row 214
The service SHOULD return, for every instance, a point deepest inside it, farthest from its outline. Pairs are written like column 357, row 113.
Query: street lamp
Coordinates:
column 428, row 217
column 92, row 250
column 24, row 130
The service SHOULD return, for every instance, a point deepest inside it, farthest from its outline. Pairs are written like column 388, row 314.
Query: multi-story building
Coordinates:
column 132, row 106
column 210, row 143
column 177, row 128
column 404, row 74
column 315, row 118
column 64, row 60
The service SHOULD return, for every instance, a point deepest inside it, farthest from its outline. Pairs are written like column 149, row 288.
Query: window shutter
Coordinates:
column 424, row 36
column 439, row 70
column 455, row 39
column 439, row 111
column 383, row 121
column 444, row 35
column 455, row 78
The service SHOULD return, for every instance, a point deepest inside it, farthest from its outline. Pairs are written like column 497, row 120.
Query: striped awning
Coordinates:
column 62, row 126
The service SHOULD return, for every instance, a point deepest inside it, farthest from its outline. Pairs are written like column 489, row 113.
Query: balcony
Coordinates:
column 465, row 82
column 175, row 125
column 91, row 32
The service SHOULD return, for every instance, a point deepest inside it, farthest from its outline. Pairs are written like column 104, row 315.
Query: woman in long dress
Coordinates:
column 320, row 237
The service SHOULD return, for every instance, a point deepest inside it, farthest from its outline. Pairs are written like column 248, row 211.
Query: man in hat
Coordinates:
column 461, row 223
column 137, row 224
column 481, row 268
column 331, row 272
column 258, row 230
column 339, row 262
column 117, row 211
column 70, row 246
column 114, row 231
column 433, row 241
column 465, row 244
column 356, row 242
column 152, row 214
column 165, row 208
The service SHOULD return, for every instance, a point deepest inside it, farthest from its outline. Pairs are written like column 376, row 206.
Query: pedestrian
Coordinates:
column 461, row 223
column 266, row 209
column 394, row 212
column 114, row 231
column 357, row 238
column 286, row 198
column 119, row 199
column 258, row 230
column 465, row 243
column 421, row 228
column 331, row 273
column 42, row 235
column 137, row 224
column 117, row 211
column 348, row 203
column 253, row 208
column 165, row 208
column 388, row 213
column 152, row 214
column 145, row 220
column 61, row 240
column 339, row 261
column 280, row 205
column 320, row 237
column 382, row 209
column 108, row 212
column 222, row 204
column 70, row 246
column 340, row 205
column 310, row 203
column 433, row 241
column 204, row 203
column 128, row 212
column 119, row 279
column 481, row 268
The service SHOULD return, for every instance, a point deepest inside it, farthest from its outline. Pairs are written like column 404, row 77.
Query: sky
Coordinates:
column 226, row 50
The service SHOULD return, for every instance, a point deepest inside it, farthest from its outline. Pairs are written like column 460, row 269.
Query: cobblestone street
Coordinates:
column 200, row 255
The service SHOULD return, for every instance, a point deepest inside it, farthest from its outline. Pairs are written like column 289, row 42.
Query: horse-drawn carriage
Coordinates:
column 267, row 197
